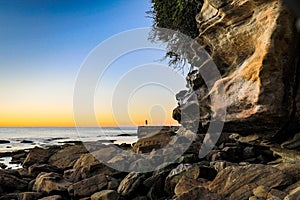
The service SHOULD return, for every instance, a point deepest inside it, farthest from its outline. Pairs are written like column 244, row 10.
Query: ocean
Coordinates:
column 13, row 139
column 27, row 138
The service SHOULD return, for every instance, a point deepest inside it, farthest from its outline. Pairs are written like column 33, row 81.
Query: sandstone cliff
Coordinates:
column 255, row 46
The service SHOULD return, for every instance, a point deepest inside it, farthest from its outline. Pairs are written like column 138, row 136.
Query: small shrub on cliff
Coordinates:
column 178, row 15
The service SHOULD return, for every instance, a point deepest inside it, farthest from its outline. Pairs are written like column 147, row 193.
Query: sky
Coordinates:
column 43, row 44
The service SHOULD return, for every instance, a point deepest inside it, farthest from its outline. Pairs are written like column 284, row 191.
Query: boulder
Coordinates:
column 130, row 184
column 237, row 182
column 49, row 183
column 105, row 195
column 88, row 186
column 152, row 142
column 10, row 182
column 37, row 155
column 190, row 171
column 85, row 167
column 66, row 157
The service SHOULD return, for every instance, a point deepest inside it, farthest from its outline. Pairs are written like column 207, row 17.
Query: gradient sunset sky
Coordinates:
column 44, row 43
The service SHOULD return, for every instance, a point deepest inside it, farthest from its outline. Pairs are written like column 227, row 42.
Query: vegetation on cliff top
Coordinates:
column 177, row 15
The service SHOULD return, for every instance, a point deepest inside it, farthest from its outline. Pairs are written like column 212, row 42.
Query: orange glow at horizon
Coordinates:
column 67, row 120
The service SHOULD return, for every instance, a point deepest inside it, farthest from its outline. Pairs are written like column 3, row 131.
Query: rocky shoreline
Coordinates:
column 237, row 168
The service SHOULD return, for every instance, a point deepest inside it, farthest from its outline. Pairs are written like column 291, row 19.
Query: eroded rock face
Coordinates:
column 238, row 182
column 254, row 45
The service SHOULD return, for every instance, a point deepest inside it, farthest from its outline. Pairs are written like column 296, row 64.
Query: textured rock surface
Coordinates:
column 50, row 182
column 130, row 184
column 37, row 155
column 88, row 186
column 105, row 195
column 198, row 193
column 67, row 156
column 238, row 182
column 254, row 45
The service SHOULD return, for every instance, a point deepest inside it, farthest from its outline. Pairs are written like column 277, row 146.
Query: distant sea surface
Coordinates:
column 27, row 138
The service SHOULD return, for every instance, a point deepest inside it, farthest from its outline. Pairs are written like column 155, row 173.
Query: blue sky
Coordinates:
column 44, row 42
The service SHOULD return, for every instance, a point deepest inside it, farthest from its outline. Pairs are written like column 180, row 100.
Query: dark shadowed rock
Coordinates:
column 88, row 186
column 30, row 195
column 35, row 169
column 9, row 182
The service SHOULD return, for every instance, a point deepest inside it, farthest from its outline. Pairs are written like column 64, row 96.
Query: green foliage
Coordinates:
column 178, row 15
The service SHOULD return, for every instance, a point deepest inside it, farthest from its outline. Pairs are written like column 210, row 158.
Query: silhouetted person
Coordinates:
column 146, row 122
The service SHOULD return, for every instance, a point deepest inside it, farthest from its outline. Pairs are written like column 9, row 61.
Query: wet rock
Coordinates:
column 35, row 169
column 130, row 184
column 4, row 141
column 50, row 182
column 105, row 195
column 88, row 186
column 10, row 182
column 238, row 182
column 66, row 157
column 37, row 155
